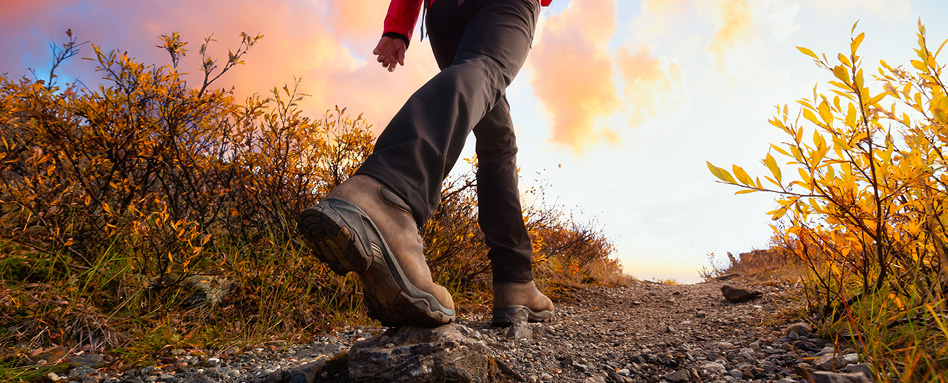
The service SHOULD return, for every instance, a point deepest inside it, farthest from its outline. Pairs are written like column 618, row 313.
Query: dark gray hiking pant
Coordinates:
column 480, row 46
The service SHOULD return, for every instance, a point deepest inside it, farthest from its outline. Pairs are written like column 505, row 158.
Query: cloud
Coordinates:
column 846, row 8
column 735, row 28
column 652, row 85
column 326, row 44
column 573, row 72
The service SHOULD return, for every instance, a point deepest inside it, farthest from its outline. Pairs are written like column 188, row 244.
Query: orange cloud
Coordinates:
column 573, row 72
column 735, row 26
column 651, row 85
column 326, row 44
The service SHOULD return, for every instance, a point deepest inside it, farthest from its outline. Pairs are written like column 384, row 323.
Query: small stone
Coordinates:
column 835, row 377
column 799, row 328
column 827, row 362
column 52, row 376
column 623, row 372
column 736, row 373
column 701, row 314
column 678, row 376
column 81, row 372
column 713, row 367
column 851, row 358
column 213, row 361
column 546, row 377
column 520, row 330
column 861, row 367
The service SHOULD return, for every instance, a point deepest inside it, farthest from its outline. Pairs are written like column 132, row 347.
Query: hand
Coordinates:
column 390, row 51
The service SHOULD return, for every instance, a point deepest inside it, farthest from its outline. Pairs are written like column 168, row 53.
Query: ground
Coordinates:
column 643, row 332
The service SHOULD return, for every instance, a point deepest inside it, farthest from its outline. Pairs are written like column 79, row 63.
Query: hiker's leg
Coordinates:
column 423, row 141
column 498, row 198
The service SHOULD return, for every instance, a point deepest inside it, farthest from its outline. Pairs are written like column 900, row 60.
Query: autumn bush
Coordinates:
column 150, row 212
column 861, row 201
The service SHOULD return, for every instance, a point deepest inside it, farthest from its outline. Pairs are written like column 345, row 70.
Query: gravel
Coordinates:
column 645, row 332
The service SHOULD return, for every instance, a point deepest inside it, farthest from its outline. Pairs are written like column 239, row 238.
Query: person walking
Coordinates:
column 369, row 223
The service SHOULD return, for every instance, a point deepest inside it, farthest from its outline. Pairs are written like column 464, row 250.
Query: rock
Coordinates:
column 851, row 358
column 713, row 367
column 52, row 376
column 445, row 353
column 861, row 367
column 55, row 355
column 799, row 328
column 520, row 330
column 88, row 360
column 739, row 295
column 81, row 372
column 678, row 376
column 701, row 314
column 835, row 377
column 828, row 362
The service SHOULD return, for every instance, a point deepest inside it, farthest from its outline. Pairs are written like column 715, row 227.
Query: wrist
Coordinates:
column 396, row 35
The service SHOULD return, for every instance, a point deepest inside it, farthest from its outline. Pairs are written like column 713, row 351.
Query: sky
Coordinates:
column 617, row 109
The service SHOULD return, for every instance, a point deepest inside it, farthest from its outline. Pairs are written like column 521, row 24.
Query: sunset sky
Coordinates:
column 618, row 107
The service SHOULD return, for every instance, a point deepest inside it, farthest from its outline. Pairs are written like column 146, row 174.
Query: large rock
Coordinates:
column 450, row 353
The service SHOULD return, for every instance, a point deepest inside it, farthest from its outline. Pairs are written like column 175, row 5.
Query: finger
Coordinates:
column 381, row 58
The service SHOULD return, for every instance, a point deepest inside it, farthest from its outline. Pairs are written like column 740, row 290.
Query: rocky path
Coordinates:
column 645, row 332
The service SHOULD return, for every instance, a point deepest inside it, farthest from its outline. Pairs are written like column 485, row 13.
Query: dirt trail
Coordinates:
column 644, row 332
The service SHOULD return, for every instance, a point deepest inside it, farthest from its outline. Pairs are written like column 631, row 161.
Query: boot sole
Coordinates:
column 508, row 315
column 332, row 228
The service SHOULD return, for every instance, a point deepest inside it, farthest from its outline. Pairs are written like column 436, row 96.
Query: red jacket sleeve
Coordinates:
column 402, row 16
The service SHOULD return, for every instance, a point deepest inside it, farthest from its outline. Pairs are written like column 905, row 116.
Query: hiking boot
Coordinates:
column 516, row 302
column 365, row 227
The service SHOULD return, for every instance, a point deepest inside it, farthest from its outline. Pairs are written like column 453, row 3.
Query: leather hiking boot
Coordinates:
column 516, row 302
column 365, row 227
